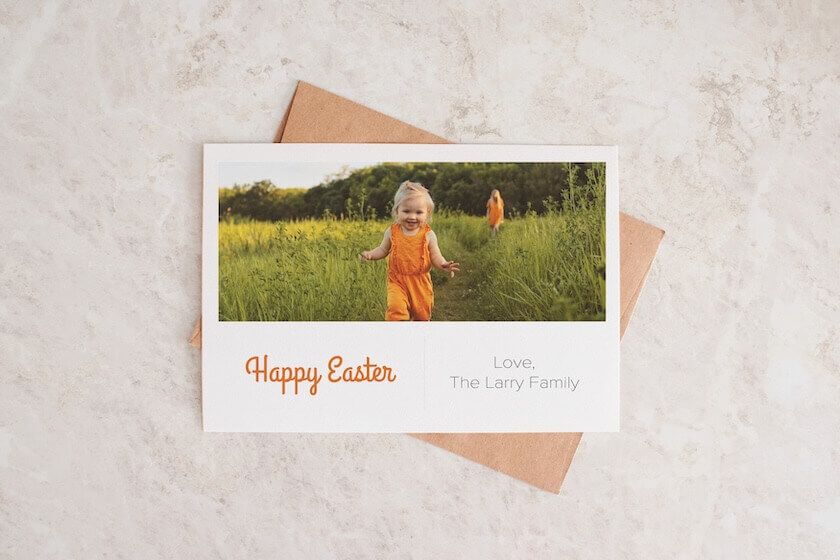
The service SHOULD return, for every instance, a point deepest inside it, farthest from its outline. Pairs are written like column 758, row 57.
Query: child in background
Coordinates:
column 413, row 249
column 495, row 211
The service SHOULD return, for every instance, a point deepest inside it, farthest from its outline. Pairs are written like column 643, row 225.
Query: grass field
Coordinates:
column 539, row 268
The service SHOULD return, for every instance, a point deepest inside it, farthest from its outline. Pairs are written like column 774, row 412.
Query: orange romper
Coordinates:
column 410, row 294
column 497, row 212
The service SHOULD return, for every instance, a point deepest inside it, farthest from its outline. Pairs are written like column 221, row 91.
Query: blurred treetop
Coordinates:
column 462, row 187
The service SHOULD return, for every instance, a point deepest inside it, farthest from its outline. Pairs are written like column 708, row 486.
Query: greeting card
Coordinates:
column 394, row 288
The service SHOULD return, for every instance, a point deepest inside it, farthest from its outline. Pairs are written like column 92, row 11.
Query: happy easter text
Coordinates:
column 298, row 377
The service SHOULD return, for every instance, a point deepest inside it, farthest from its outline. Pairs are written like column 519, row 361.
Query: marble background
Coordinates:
column 727, row 119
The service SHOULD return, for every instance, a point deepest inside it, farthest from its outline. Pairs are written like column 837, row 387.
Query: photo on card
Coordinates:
column 399, row 241
column 405, row 287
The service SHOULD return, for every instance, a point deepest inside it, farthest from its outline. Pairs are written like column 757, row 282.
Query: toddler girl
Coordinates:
column 413, row 249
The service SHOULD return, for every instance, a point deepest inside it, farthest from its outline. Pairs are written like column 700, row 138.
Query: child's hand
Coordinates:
column 451, row 267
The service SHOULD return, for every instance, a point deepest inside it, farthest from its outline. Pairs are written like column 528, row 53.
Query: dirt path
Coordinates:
column 455, row 300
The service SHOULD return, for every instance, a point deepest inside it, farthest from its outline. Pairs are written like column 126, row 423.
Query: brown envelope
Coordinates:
column 540, row 459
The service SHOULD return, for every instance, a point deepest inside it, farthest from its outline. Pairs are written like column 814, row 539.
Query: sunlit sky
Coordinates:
column 282, row 174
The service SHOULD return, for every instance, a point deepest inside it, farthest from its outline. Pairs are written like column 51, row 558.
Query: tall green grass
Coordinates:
column 539, row 268
column 546, row 268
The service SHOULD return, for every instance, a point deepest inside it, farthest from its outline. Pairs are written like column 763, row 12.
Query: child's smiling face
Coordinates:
column 413, row 213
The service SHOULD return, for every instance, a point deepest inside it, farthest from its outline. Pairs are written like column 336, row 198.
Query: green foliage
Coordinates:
column 551, row 269
column 300, row 271
column 546, row 264
column 368, row 193
column 262, row 201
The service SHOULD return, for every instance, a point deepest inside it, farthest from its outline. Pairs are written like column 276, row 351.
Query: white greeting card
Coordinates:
column 410, row 288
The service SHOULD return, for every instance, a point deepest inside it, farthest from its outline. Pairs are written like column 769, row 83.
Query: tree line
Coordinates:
column 368, row 193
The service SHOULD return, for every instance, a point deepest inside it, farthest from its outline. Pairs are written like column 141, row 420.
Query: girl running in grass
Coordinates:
column 495, row 211
column 413, row 249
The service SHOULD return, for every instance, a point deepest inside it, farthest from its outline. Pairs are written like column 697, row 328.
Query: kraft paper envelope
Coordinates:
column 540, row 459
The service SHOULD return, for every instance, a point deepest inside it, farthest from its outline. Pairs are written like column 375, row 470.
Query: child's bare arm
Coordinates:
column 438, row 261
column 381, row 251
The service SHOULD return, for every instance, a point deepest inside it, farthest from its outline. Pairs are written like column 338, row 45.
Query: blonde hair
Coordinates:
column 408, row 190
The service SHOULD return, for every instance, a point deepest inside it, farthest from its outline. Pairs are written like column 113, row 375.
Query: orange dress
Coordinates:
column 410, row 295
column 496, row 211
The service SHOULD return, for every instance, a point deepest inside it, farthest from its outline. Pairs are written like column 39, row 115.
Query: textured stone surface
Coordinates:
column 726, row 115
